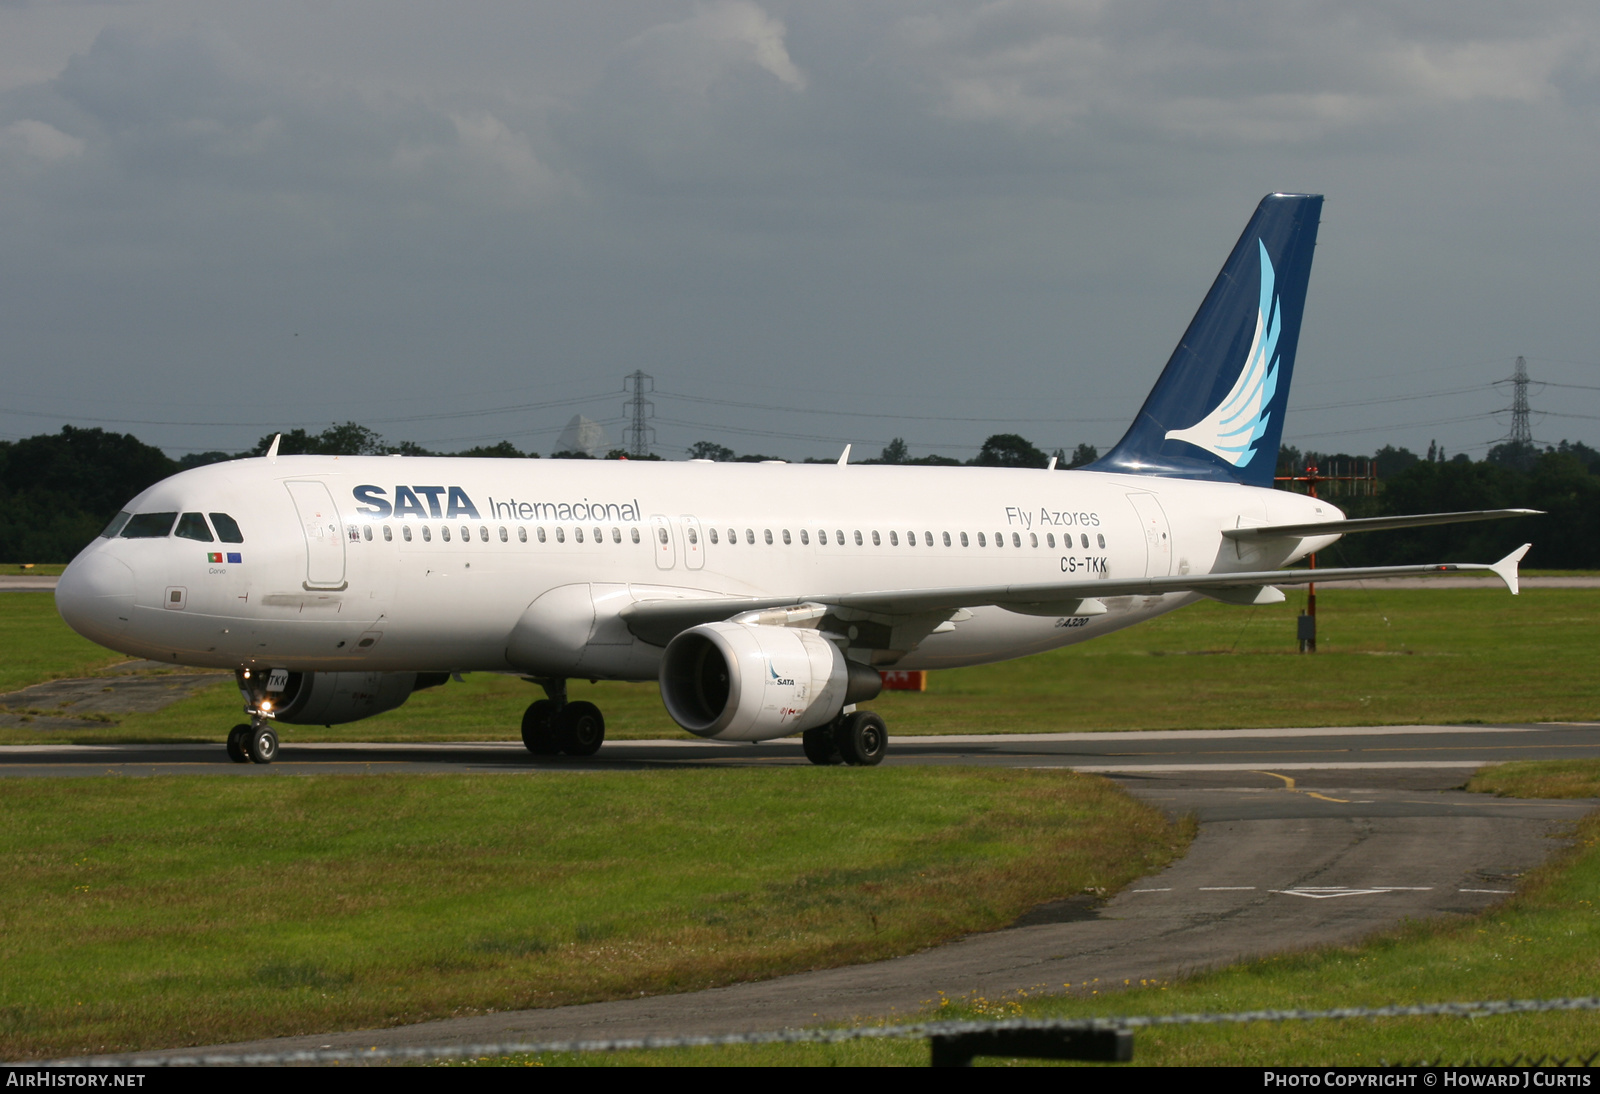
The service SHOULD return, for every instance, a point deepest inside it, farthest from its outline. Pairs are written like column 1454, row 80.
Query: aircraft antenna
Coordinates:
column 637, row 436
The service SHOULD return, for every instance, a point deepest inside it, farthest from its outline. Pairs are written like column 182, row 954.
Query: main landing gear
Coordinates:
column 554, row 726
column 253, row 742
column 858, row 738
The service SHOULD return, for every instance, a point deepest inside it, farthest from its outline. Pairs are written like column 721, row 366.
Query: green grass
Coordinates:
column 41, row 569
column 1390, row 657
column 38, row 646
column 1539, row 779
column 1540, row 944
column 138, row 913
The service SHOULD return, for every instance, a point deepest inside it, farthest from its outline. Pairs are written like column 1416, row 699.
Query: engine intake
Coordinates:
column 736, row 682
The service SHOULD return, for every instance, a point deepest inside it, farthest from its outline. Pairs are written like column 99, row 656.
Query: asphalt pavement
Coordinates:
column 1458, row 749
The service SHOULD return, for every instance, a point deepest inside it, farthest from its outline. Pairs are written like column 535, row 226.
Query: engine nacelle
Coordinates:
column 737, row 682
column 330, row 698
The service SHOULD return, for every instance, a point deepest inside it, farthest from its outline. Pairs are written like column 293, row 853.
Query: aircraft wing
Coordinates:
column 658, row 621
column 1373, row 524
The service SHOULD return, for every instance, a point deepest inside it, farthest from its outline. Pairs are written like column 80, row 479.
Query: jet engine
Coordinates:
column 738, row 682
column 330, row 698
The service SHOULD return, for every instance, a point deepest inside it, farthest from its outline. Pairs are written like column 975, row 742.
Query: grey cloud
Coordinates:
column 934, row 201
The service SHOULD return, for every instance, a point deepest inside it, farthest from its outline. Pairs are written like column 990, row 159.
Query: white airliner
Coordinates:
column 765, row 598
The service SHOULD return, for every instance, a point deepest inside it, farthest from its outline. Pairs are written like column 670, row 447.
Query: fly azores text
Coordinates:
column 1050, row 518
column 452, row 502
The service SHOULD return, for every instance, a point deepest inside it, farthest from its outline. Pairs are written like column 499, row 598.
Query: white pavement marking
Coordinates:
column 1345, row 765
column 1322, row 892
column 1226, row 888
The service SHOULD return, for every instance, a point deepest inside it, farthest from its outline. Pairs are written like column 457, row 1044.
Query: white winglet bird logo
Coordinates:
column 1231, row 430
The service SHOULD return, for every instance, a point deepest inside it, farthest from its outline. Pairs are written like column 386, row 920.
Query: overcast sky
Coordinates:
column 812, row 223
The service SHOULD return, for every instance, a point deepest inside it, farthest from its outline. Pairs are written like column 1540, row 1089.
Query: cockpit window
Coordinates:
column 149, row 526
column 115, row 526
column 193, row 526
column 227, row 528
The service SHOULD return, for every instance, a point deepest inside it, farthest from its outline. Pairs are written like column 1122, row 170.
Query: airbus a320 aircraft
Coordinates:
column 765, row 598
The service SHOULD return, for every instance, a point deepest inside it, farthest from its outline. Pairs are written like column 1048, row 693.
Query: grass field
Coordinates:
column 1540, row 944
column 139, row 913
column 1394, row 656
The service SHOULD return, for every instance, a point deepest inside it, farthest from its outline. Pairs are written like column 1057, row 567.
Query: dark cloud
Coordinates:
column 897, row 207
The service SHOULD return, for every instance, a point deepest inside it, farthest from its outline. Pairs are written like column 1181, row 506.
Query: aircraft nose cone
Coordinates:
column 95, row 596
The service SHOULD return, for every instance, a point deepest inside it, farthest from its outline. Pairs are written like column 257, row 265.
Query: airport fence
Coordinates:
column 953, row 1043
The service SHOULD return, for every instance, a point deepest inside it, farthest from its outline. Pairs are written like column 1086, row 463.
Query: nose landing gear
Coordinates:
column 553, row 726
column 253, row 742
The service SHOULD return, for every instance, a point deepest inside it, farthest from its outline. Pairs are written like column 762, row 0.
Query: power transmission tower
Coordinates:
column 1521, row 430
column 1517, row 447
column 637, row 437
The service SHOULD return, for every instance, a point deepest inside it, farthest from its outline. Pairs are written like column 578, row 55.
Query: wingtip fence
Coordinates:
column 950, row 1043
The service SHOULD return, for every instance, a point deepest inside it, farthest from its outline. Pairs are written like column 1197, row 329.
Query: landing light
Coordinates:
column 266, row 704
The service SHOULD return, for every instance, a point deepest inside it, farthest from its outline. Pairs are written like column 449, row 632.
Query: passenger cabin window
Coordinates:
column 805, row 538
column 1016, row 539
column 616, row 535
column 427, row 536
column 1101, row 537
column 503, row 536
column 405, row 531
column 541, row 534
column 193, row 526
column 149, row 526
column 786, row 540
column 713, row 535
column 577, row 535
column 964, row 542
column 561, row 535
column 858, row 537
column 227, row 528
column 522, row 534
column 750, row 536
column 1033, row 539
column 838, row 536
column 981, row 541
column 366, row 532
column 1050, row 539
column 927, row 538
column 946, row 539
column 876, row 542
column 115, row 526
column 483, row 533
column 634, row 532
column 894, row 539
column 444, row 530
column 1085, row 538
column 768, row 534
column 388, row 536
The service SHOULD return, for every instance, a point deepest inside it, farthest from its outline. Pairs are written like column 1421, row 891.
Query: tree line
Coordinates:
column 58, row 490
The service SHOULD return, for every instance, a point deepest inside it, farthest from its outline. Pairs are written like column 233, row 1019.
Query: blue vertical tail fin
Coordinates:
column 1217, row 410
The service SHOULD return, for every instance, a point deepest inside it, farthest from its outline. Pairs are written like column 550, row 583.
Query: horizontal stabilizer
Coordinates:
column 1373, row 524
column 1506, row 568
